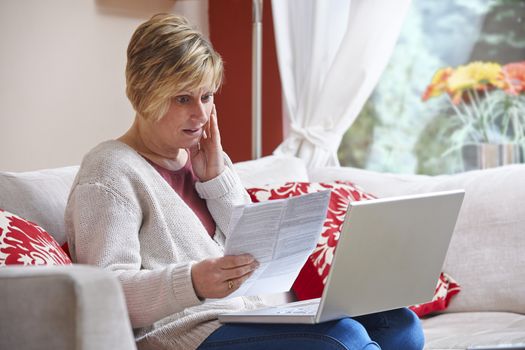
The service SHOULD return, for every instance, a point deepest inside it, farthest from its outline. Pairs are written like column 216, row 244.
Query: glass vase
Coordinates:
column 490, row 155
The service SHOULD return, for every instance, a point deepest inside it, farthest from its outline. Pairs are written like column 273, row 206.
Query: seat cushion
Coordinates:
column 462, row 329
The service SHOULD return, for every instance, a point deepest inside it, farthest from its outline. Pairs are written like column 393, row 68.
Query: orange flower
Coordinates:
column 514, row 77
column 438, row 84
column 478, row 93
column 473, row 76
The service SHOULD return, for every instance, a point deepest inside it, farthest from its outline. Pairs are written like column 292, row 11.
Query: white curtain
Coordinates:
column 331, row 54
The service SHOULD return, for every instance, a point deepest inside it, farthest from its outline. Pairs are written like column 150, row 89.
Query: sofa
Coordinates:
column 83, row 307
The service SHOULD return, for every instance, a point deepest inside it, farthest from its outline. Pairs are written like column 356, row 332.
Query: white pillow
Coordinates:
column 39, row 196
column 271, row 170
column 487, row 252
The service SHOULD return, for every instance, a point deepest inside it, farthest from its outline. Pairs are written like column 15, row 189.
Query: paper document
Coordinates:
column 280, row 234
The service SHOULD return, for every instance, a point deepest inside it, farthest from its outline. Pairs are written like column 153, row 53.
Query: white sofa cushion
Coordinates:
column 487, row 252
column 39, row 196
column 271, row 170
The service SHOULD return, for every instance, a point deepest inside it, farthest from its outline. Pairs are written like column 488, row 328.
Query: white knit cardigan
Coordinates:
column 123, row 216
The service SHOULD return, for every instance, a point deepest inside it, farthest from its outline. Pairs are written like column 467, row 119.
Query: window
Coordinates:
column 396, row 131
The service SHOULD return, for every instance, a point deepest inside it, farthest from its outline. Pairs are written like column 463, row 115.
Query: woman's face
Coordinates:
column 183, row 123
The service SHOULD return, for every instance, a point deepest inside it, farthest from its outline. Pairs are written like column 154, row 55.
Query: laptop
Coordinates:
column 389, row 255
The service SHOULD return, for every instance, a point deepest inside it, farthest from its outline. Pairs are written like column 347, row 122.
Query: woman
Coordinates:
column 153, row 207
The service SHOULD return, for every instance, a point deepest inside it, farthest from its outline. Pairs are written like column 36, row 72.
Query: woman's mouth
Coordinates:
column 192, row 132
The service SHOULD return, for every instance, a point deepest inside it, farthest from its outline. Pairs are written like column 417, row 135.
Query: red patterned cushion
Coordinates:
column 312, row 278
column 446, row 288
column 25, row 243
column 310, row 282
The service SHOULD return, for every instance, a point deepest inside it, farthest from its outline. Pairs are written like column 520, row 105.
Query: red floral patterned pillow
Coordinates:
column 446, row 288
column 25, row 243
column 310, row 282
column 312, row 278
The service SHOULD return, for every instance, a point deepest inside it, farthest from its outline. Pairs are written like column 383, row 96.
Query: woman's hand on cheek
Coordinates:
column 206, row 157
column 219, row 277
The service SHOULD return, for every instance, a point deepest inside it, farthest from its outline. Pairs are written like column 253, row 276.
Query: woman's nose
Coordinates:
column 200, row 112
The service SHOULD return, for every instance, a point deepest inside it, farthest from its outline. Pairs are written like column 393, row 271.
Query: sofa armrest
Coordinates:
column 62, row 307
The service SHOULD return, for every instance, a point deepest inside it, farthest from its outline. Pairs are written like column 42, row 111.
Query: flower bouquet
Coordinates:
column 488, row 100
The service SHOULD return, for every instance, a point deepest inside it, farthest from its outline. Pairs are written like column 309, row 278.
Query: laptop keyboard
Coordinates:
column 308, row 309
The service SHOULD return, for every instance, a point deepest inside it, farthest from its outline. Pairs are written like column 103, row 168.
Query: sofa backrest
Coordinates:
column 487, row 252
column 271, row 170
column 39, row 196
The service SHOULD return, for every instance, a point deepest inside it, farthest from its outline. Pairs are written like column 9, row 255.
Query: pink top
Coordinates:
column 183, row 182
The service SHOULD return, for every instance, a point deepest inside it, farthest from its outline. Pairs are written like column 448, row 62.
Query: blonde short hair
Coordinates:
column 167, row 55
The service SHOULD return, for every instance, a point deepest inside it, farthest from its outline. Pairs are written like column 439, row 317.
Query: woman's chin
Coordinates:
column 191, row 140
column 193, row 143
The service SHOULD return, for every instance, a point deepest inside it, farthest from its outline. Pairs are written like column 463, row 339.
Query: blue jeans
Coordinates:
column 395, row 329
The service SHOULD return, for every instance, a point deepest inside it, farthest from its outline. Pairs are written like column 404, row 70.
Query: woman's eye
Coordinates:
column 206, row 97
column 183, row 99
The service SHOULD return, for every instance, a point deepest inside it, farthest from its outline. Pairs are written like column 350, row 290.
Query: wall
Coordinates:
column 62, row 85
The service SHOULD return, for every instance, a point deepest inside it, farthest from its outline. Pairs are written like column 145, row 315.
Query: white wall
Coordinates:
column 62, row 84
